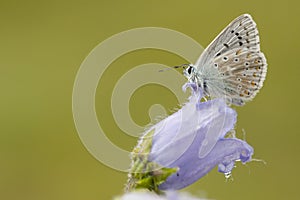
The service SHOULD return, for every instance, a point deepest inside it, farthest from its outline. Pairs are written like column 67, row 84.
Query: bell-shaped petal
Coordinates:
column 146, row 195
column 188, row 144
column 193, row 140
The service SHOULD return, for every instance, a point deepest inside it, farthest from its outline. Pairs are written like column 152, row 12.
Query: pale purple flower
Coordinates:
column 146, row 195
column 193, row 140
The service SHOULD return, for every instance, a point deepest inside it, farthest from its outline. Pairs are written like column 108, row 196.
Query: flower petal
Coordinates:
column 192, row 139
column 190, row 143
column 146, row 195
column 174, row 135
column 192, row 168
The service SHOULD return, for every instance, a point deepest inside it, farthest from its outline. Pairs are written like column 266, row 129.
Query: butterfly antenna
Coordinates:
column 163, row 70
column 184, row 66
column 175, row 67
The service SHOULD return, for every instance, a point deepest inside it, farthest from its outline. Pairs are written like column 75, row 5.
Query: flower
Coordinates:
column 188, row 144
column 146, row 195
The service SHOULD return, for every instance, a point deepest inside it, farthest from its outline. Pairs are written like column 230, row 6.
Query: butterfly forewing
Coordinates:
column 239, row 32
column 241, row 66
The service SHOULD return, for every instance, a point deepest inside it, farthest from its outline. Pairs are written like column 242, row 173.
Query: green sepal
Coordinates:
column 143, row 173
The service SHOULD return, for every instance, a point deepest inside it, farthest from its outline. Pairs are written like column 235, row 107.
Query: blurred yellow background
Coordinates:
column 43, row 43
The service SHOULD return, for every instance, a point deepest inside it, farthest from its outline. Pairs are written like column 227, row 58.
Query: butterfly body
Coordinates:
column 232, row 66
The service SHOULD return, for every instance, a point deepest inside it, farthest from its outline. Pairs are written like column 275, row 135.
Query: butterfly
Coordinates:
column 232, row 66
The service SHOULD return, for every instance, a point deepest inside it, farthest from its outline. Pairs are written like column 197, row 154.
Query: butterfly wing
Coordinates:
column 242, row 27
column 242, row 74
column 232, row 66
column 241, row 65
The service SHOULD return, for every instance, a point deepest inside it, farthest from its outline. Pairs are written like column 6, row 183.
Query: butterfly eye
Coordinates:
column 189, row 70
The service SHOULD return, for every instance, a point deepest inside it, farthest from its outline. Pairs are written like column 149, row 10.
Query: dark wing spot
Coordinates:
column 237, row 34
column 232, row 31
column 204, row 85
column 239, row 37
column 240, row 43
column 218, row 54
column 226, row 45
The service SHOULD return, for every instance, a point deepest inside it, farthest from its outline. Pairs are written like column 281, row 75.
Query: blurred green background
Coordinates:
column 43, row 43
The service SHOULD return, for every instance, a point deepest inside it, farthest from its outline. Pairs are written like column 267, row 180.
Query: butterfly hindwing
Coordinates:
column 242, row 74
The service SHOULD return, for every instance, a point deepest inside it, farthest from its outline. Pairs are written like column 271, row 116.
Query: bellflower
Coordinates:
column 146, row 195
column 188, row 144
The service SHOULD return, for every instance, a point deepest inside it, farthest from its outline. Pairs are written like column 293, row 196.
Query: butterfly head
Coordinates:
column 195, row 76
column 189, row 72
